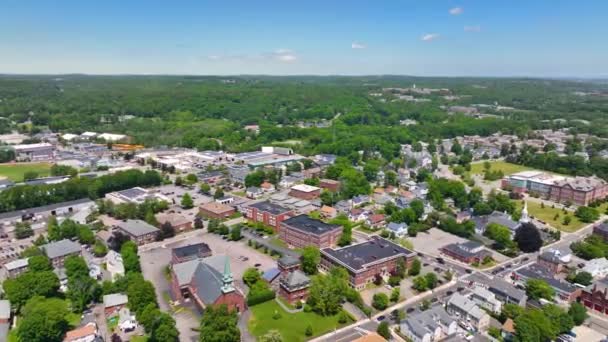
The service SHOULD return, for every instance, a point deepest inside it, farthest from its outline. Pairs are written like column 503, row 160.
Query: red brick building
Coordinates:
column 293, row 283
column 207, row 282
column 467, row 252
column 190, row 252
column 595, row 296
column 365, row 261
column 305, row 192
column 330, row 185
column 216, row 210
column 179, row 222
column 268, row 213
column 301, row 231
column 579, row 190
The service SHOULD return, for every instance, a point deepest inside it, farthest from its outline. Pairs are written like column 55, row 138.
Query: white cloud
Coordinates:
column 214, row 57
column 356, row 45
column 284, row 55
column 474, row 28
column 429, row 37
column 456, row 11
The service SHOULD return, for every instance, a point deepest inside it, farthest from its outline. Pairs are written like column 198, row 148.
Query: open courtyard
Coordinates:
column 291, row 326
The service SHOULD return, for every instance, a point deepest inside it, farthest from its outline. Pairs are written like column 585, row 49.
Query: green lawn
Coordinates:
column 139, row 339
column 547, row 214
column 291, row 326
column 16, row 171
column 507, row 168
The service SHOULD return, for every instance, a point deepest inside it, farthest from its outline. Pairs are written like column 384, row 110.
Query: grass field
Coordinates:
column 291, row 326
column 506, row 168
column 16, row 171
column 547, row 214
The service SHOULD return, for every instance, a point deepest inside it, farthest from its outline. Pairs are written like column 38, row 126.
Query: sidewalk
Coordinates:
column 387, row 311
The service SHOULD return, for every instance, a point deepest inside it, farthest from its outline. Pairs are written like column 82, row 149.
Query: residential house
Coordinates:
column 486, row 299
column 367, row 260
column 86, row 333
column 301, row 231
column 58, row 251
column 112, row 303
column 216, row 210
column 468, row 252
column 138, row 231
column 360, row 200
column 357, row 215
column 190, row 252
column 267, row 186
column 254, row 192
column 564, row 291
column 328, row 212
column 398, row 228
column 376, row 221
column 430, row 325
column 470, row 316
column 207, row 282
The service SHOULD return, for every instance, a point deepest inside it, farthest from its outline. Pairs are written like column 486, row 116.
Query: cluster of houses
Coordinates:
column 464, row 313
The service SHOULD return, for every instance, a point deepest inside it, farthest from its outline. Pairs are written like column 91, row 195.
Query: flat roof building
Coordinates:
column 364, row 261
column 301, row 231
column 138, row 231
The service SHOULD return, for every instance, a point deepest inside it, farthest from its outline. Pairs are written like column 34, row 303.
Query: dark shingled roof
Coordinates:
column 358, row 256
column 309, row 225
column 272, row 208
column 192, row 250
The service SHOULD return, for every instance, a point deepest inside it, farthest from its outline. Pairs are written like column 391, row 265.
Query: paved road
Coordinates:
column 371, row 324
column 264, row 242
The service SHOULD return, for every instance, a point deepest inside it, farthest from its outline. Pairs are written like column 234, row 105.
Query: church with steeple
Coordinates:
column 206, row 282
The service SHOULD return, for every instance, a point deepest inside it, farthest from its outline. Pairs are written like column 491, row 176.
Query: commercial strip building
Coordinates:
column 301, row 231
column 138, row 231
column 367, row 260
column 561, row 189
column 216, row 210
column 34, row 152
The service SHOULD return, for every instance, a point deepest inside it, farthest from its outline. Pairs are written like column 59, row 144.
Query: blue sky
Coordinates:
column 554, row 38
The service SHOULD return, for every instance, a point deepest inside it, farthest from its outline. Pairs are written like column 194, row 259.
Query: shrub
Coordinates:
column 308, row 330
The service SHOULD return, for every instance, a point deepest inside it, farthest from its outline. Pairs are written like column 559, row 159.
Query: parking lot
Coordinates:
column 431, row 241
column 155, row 260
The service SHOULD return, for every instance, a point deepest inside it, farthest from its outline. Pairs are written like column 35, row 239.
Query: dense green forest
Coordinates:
column 210, row 112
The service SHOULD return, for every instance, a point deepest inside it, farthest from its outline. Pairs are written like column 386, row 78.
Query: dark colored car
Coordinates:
column 381, row 318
